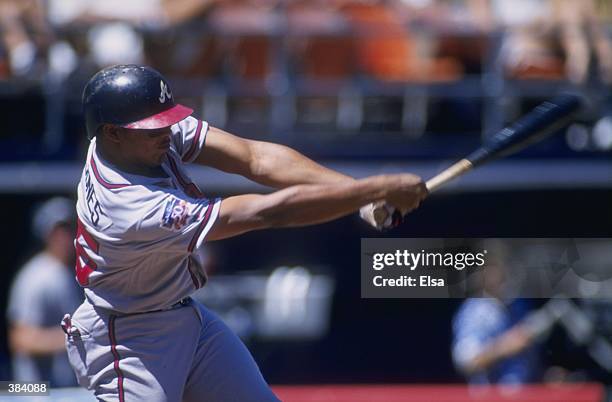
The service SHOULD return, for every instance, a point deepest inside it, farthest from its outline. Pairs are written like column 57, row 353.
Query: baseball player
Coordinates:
column 141, row 224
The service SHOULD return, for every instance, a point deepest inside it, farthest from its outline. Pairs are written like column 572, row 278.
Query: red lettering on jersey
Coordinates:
column 85, row 268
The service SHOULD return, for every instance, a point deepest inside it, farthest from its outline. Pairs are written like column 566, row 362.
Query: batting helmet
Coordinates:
column 130, row 96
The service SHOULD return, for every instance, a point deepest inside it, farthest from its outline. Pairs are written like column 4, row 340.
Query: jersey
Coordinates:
column 138, row 238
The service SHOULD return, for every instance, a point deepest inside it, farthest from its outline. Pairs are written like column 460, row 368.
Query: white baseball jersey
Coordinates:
column 138, row 238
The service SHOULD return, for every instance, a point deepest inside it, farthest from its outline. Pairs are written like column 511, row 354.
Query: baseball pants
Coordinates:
column 184, row 354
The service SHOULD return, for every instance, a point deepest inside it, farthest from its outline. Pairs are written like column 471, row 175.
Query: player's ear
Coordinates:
column 111, row 132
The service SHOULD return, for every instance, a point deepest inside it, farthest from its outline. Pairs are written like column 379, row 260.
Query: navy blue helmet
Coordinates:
column 130, row 96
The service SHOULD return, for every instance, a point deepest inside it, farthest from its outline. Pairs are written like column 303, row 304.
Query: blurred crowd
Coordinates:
column 391, row 40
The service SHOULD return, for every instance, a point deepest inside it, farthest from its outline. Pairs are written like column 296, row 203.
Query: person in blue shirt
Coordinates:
column 493, row 342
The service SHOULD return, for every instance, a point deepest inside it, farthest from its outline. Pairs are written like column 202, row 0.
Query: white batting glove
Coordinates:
column 380, row 215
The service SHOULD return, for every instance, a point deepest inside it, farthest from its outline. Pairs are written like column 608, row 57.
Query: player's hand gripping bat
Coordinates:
column 545, row 119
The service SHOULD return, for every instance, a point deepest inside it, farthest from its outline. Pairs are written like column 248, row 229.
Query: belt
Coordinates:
column 70, row 330
column 183, row 302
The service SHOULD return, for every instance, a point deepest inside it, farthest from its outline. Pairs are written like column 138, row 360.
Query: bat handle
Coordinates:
column 381, row 214
column 448, row 174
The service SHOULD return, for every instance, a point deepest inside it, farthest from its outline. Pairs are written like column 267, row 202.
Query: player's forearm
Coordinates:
column 279, row 166
column 300, row 205
column 316, row 203
column 36, row 340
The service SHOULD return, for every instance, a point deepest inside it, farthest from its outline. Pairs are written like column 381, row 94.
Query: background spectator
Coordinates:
column 491, row 343
column 42, row 292
column 25, row 36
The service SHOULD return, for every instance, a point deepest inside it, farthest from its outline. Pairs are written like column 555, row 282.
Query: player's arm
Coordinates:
column 310, row 204
column 273, row 165
column 265, row 163
column 34, row 340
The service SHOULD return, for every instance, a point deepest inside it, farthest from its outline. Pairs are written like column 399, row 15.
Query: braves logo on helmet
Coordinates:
column 165, row 92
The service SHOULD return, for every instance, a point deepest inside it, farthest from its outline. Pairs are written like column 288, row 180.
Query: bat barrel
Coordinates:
column 540, row 122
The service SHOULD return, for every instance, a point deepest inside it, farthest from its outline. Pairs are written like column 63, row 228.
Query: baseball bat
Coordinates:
column 540, row 122
column 543, row 120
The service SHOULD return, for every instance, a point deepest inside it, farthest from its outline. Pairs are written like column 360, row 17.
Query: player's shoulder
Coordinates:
column 187, row 124
column 101, row 174
column 110, row 203
column 114, row 185
column 188, row 137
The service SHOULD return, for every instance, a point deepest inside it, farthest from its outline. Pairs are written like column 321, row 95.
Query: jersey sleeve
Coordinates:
column 174, row 222
column 188, row 136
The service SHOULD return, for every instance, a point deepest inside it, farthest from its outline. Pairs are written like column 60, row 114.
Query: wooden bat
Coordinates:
column 545, row 119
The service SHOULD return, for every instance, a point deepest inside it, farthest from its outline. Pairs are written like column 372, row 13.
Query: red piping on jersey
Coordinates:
column 195, row 281
column 113, row 340
column 194, row 144
column 103, row 182
column 201, row 228
column 176, row 172
column 190, row 188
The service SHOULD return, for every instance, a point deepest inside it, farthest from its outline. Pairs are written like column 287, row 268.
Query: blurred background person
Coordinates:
column 390, row 47
column 585, row 37
column 114, row 29
column 492, row 343
column 548, row 39
column 25, row 36
column 42, row 291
